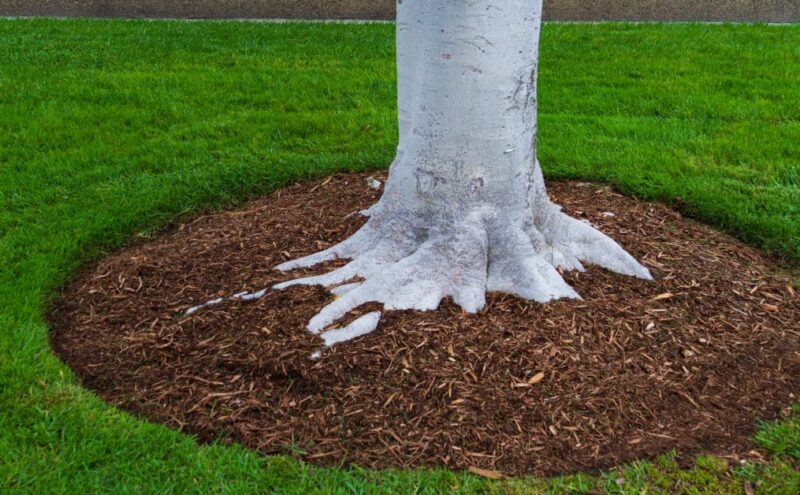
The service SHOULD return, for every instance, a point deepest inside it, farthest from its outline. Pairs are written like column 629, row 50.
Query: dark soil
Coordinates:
column 688, row 362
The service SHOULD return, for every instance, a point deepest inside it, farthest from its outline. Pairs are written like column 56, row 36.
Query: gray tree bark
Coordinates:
column 465, row 210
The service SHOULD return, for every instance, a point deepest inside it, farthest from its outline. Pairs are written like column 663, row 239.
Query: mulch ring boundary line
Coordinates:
column 688, row 362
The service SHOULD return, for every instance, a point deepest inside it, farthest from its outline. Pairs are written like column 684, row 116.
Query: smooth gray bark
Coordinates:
column 465, row 210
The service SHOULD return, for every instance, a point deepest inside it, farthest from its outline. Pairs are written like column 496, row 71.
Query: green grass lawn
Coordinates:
column 110, row 129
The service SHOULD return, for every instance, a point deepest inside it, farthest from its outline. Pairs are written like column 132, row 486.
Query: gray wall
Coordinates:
column 581, row 10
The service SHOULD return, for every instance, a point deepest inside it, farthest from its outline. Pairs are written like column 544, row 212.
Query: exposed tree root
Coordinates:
column 400, row 263
column 241, row 296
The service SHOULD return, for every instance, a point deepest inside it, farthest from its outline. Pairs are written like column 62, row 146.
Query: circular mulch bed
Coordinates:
column 688, row 362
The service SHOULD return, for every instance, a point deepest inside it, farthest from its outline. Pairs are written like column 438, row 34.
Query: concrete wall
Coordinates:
column 579, row 10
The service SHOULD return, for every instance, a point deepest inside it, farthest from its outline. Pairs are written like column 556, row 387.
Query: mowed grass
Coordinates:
column 110, row 129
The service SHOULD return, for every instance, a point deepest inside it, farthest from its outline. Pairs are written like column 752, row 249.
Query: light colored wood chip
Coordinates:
column 661, row 297
column 538, row 377
column 486, row 473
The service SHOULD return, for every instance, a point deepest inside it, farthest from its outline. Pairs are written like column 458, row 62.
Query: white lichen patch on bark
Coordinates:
column 464, row 210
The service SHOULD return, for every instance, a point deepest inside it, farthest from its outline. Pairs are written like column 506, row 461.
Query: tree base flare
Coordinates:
column 400, row 260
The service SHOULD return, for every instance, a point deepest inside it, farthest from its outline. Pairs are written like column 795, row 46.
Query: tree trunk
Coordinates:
column 465, row 208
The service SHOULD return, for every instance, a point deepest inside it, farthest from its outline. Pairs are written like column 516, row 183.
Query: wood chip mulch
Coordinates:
column 688, row 362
